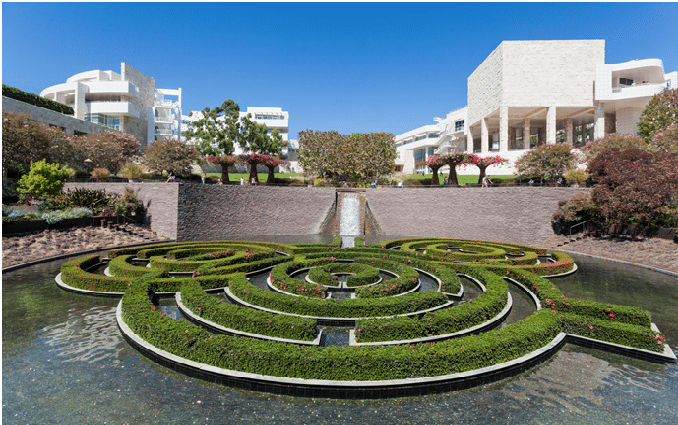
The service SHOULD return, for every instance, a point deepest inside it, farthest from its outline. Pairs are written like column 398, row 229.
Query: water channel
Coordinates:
column 65, row 362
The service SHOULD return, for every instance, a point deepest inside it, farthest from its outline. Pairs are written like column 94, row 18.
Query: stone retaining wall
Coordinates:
column 190, row 211
column 509, row 214
column 160, row 201
column 212, row 212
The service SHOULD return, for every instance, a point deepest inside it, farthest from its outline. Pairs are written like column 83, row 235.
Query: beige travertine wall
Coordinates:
column 138, row 127
column 536, row 73
column 485, row 86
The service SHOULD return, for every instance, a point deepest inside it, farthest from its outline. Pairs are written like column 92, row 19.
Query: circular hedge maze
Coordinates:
column 253, row 313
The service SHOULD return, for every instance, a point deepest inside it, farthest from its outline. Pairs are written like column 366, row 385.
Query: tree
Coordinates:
column 43, row 179
column 25, row 141
column 546, row 161
column 434, row 163
column 453, row 160
column 483, row 163
column 271, row 163
column 634, row 185
column 660, row 112
column 224, row 161
column 255, row 139
column 612, row 141
column 110, row 150
column 666, row 140
column 171, row 155
column 216, row 133
column 356, row 157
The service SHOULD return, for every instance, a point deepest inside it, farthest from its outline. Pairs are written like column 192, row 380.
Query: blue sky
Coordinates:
column 349, row 67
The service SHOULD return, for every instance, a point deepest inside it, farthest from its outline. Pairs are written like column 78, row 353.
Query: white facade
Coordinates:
column 528, row 93
column 448, row 135
column 127, row 102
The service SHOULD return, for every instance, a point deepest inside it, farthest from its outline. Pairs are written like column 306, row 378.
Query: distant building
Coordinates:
column 528, row 93
column 128, row 102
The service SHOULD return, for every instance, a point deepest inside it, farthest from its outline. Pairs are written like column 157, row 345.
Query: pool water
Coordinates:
column 65, row 362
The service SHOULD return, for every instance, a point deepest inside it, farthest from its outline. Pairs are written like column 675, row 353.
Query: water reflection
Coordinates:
column 65, row 362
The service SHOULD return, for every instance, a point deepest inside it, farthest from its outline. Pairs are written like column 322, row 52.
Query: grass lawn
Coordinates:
column 261, row 176
column 463, row 179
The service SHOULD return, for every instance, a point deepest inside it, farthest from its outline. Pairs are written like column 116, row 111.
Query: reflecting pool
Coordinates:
column 65, row 362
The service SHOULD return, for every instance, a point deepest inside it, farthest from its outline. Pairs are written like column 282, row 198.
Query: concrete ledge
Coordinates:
column 217, row 328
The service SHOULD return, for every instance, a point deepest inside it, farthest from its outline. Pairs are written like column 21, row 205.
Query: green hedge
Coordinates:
column 73, row 274
column 120, row 267
column 349, row 308
column 34, row 99
column 246, row 319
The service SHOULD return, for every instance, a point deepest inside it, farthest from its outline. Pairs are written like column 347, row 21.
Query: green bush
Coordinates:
column 34, row 99
column 42, row 179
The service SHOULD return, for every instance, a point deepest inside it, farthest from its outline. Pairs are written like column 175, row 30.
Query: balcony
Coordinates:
column 168, row 104
column 113, row 108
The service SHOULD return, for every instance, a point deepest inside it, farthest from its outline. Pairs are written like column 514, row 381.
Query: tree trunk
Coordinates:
column 452, row 179
column 224, row 171
column 482, row 173
column 434, row 180
column 271, row 174
column 253, row 172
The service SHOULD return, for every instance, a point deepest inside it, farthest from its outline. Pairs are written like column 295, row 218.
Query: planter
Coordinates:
column 20, row 227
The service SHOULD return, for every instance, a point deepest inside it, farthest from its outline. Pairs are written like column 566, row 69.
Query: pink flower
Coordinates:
column 186, row 331
column 590, row 327
column 292, row 326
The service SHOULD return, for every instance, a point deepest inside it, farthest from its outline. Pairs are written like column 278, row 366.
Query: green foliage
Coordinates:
column 576, row 176
column 25, row 141
column 109, row 150
column 635, row 185
column 546, row 160
column 245, row 319
column 612, row 141
column 34, row 99
column 132, row 171
column 170, row 155
column 666, row 139
column 217, row 130
column 576, row 210
column 355, row 157
column 43, row 179
column 100, row 174
column 660, row 112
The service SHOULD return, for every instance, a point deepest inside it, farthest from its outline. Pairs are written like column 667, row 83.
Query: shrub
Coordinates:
column 43, row 179
column 575, row 176
column 576, row 210
column 132, row 171
column 100, row 173
column 34, row 99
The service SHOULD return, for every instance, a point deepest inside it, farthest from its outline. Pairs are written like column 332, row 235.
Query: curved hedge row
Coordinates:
column 245, row 319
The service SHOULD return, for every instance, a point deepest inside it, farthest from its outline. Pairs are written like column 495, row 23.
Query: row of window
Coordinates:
column 268, row 117
column 110, row 121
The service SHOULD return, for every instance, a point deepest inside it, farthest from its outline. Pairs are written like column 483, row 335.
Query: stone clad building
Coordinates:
column 527, row 93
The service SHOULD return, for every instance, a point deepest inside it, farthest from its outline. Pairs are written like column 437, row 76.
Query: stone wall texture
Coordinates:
column 212, row 212
column 512, row 214
column 191, row 212
column 160, row 200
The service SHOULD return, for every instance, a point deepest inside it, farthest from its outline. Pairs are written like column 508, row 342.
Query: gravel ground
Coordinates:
column 658, row 253
column 50, row 243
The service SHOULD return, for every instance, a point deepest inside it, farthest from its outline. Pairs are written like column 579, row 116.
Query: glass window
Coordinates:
column 459, row 125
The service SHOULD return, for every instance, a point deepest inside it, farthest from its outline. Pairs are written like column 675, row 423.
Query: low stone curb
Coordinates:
column 656, row 269
column 215, row 327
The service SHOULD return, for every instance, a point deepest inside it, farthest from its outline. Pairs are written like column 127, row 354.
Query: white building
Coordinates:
column 128, row 102
column 527, row 93
column 273, row 117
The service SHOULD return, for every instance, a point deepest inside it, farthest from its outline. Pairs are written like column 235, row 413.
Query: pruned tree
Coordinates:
column 660, row 112
column 434, row 162
column 171, row 155
column 454, row 160
column 483, row 163
column 255, row 139
column 546, row 161
column 358, row 157
column 216, row 133
column 110, row 150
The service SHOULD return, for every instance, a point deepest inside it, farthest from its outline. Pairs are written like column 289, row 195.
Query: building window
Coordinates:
column 433, row 135
column 419, row 138
column 459, row 125
column 110, row 121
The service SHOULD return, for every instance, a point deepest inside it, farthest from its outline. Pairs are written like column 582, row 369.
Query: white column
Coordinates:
column 569, row 131
column 599, row 123
column 551, row 125
column 484, row 137
column 526, row 134
column 469, row 140
column 503, row 129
